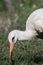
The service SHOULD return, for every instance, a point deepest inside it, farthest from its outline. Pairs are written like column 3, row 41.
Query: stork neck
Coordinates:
column 26, row 35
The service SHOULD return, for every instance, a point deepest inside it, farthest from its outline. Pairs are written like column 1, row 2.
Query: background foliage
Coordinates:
column 27, row 52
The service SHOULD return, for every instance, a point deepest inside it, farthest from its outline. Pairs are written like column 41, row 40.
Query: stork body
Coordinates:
column 34, row 28
column 35, row 20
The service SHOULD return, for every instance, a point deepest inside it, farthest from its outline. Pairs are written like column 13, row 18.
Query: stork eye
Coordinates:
column 13, row 38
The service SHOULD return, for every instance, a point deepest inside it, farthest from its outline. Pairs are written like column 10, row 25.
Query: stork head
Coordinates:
column 12, row 37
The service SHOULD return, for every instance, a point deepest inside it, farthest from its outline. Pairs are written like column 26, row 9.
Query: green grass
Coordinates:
column 25, row 53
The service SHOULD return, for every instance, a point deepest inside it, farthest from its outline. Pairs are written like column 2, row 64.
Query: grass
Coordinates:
column 25, row 53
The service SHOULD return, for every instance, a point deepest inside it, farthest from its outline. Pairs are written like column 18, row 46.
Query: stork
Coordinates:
column 34, row 28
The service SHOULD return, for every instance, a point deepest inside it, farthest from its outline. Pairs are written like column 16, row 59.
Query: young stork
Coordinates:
column 34, row 28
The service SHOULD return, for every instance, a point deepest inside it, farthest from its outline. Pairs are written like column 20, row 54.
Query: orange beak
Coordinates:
column 11, row 50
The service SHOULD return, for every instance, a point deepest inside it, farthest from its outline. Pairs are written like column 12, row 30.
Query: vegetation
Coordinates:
column 27, row 52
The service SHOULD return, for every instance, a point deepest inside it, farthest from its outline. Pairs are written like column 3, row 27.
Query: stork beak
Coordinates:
column 12, row 45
